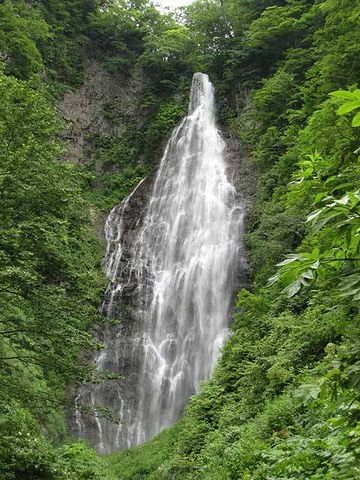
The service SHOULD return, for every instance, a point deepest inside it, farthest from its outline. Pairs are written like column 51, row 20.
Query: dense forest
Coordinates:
column 284, row 401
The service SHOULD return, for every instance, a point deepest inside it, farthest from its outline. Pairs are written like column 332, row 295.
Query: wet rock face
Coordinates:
column 242, row 173
column 121, row 336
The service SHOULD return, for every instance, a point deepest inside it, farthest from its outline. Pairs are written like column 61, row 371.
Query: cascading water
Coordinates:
column 179, row 279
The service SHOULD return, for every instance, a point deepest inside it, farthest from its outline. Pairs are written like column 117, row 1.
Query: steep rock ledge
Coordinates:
column 89, row 109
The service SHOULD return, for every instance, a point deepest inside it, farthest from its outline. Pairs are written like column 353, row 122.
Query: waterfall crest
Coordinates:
column 181, row 271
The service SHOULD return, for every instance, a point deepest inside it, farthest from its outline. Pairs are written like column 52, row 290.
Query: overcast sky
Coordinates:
column 173, row 3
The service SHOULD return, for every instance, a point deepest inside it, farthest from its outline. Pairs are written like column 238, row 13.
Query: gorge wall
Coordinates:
column 87, row 108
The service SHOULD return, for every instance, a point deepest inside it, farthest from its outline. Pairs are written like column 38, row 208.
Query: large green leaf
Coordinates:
column 356, row 120
column 343, row 95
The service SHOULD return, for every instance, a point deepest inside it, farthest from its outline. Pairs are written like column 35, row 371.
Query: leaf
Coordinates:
column 307, row 163
column 349, row 281
column 343, row 94
column 354, row 197
column 321, row 222
column 292, row 289
column 344, row 200
column 357, row 296
column 350, row 286
column 308, row 172
column 316, row 264
column 273, row 279
column 356, row 120
column 314, row 215
column 289, row 259
column 348, row 238
column 348, row 107
column 308, row 392
column 320, row 196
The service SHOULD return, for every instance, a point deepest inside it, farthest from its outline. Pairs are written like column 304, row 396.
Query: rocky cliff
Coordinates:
column 106, row 104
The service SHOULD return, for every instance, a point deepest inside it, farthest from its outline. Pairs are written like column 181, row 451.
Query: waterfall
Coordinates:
column 180, row 275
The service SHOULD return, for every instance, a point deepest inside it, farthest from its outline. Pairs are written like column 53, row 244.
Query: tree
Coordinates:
column 21, row 31
column 49, row 281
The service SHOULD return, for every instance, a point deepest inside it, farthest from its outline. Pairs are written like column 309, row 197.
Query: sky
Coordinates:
column 173, row 3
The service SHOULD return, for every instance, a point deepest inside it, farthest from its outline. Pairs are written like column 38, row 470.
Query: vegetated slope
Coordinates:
column 284, row 400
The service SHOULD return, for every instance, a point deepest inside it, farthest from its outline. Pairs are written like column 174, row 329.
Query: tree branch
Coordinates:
column 7, row 332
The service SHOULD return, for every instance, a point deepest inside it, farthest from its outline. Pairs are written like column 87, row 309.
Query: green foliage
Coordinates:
column 119, row 30
column 166, row 55
column 350, row 102
column 276, row 95
column 24, row 452
column 134, row 35
column 210, row 27
column 160, row 127
column 301, row 267
column 278, row 28
column 143, row 462
column 22, row 30
column 76, row 461
column 69, row 23
column 112, row 188
column 336, row 218
column 50, row 280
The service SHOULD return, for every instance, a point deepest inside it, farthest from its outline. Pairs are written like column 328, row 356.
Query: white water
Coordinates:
column 183, row 262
